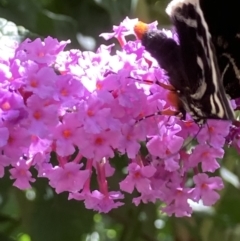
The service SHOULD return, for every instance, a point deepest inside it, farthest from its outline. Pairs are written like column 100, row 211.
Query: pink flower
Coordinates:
column 22, row 175
column 165, row 144
column 98, row 146
column 125, row 28
column 66, row 135
column 205, row 188
column 214, row 133
column 98, row 201
column 18, row 142
column 42, row 82
column 42, row 116
column 138, row 177
column 207, row 156
column 129, row 143
column 68, row 178
column 43, row 52
column 72, row 115
column 177, row 202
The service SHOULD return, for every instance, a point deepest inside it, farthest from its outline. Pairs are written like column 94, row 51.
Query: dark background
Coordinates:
column 40, row 215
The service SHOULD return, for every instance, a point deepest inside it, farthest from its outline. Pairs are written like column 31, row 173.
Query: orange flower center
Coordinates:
column 99, row 141
column 41, row 54
column 99, row 86
column 66, row 133
column 6, row 106
column 37, row 115
column 137, row 174
column 64, row 92
column 90, row 113
column 34, row 83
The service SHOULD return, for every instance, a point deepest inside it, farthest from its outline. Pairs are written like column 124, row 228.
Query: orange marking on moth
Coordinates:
column 140, row 29
column 169, row 112
column 173, row 99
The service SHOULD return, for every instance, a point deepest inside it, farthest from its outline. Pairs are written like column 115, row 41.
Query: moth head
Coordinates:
column 157, row 43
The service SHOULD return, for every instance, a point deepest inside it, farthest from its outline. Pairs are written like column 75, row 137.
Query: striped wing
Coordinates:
column 202, row 89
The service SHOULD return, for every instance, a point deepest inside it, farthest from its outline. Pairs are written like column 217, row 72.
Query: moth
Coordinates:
column 190, row 62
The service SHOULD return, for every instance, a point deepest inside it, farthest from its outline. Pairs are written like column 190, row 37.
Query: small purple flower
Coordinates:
column 22, row 175
column 214, row 133
column 66, row 134
column 177, row 202
column 125, row 28
column 205, row 188
column 166, row 143
column 138, row 177
column 207, row 156
column 43, row 52
column 68, row 178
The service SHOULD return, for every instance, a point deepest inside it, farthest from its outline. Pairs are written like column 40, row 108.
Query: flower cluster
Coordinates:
column 88, row 108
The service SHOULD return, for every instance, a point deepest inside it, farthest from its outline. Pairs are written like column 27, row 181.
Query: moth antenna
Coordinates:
column 166, row 112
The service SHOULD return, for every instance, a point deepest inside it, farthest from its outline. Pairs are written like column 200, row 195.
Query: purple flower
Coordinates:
column 124, row 29
column 89, row 108
column 98, row 201
column 42, row 82
column 18, row 143
column 22, row 175
column 166, row 143
column 214, row 133
column 205, row 188
column 98, row 146
column 67, row 134
column 177, row 202
column 43, row 52
column 68, row 178
column 207, row 156
column 138, row 177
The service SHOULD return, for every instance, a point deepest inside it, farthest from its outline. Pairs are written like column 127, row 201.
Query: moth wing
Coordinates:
column 200, row 68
